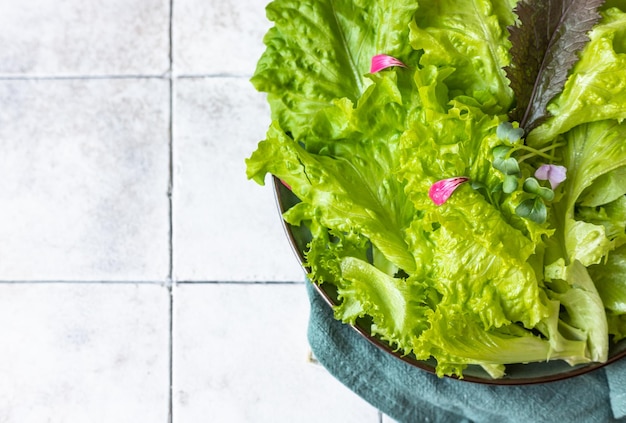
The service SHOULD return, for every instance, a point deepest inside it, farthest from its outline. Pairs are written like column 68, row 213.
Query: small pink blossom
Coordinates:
column 553, row 173
column 383, row 61
column 440, row 191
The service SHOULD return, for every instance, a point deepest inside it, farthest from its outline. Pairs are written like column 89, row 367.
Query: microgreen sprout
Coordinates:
column 533, row 209
column 508, row 162
column 507, row 132
column 503, row 162
column 510, row 184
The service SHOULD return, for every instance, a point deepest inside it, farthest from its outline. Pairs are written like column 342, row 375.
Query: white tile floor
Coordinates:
column 142, row 277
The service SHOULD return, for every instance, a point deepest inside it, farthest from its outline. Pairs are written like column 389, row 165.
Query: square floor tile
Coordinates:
column 240, row 355
column 226, row 228
column 85, row 167
column 84, row 353
column 76, row 37
column 217, row 37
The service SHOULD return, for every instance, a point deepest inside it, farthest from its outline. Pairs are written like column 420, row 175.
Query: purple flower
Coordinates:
column 553, row 173
column 383, row 61
column 440, row 191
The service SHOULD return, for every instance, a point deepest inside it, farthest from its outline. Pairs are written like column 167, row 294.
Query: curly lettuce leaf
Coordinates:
column 349, row 184
column 587, row 235
column 471, row 39
column 321, row 51
column 610, row 279
column 397, row 305
column 342, row 198
column 445, row 138
column 457, row 341
column 592, row 150
column 586, row 242
column 612, row 216
column 484, row 263
column 584, row 307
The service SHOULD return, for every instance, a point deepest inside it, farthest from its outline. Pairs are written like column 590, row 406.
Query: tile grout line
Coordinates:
column 170, row 280
column 170, row 406
column 170, row 187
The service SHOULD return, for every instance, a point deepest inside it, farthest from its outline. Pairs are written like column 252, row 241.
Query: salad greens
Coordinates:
column 557, row 31
column 467, row 191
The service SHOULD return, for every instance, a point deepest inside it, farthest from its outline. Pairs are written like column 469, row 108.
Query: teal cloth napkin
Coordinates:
column 408, row 394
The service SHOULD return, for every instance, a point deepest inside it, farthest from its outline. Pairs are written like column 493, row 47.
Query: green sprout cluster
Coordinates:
column 534, row 207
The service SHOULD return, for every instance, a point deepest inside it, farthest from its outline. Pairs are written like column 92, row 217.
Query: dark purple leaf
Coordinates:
column 545, row 46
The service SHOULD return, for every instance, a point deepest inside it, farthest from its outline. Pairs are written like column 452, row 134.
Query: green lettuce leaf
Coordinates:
column 584, row 308
column 583, row 160
column 457, row 341
column 580, row 240
column 617, row 325
column 348, row 179
column 484, row 263
column 471, row 39
column 321, row 51
column 610, row 279
column 342, row 198
column 586, row 242
column 397, row 305
column 605, row 189
column 611, row 216
column 445, row 138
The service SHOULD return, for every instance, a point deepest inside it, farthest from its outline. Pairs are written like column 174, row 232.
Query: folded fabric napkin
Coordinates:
column 408, row 394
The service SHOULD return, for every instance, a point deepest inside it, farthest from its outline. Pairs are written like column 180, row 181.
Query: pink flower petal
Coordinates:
column 383, row 61
column 553, row 173
column 440, row 191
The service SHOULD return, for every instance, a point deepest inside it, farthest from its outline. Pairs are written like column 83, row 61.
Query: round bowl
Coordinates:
column 516, row 374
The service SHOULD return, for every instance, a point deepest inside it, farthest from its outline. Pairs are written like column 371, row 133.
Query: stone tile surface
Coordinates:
column 76, row 37
column 215, row 37
column 84, row 353
column 87, row 122
column 240, row 355
column 85, row 168
column 226, row 228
